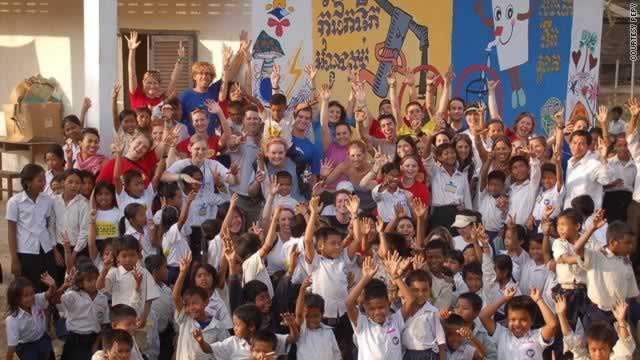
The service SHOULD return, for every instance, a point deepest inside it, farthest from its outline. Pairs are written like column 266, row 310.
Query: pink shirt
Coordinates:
column 338, row 154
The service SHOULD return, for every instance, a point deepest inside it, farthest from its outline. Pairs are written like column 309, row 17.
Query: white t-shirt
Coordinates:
column 186, row 346
column 174, row 246
column 124, row 199
column 253, row 269
column 107, row 223
column 330, row 282
column 276, row 257
column 530, row 346
column 317, row 344
column 379, row 342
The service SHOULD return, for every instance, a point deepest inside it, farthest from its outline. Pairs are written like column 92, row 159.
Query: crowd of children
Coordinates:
column 220, row 229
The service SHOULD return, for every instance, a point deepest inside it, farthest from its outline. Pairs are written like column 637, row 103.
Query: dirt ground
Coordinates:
column 5, row 261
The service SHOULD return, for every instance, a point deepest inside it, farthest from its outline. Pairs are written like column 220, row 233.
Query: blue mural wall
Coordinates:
column 529, row 47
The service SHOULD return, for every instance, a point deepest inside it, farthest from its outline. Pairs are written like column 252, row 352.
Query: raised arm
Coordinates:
column 300, row 299
column 420, row 210
column 393, row 267
column 384, row 247
column 486, row 314
column 117, row 147
column 561, row 310
column 548, row 331
column 184, row 213
column 410, row 82
column 233, row 203
column 309, row 250
column 393, row 98
column 446, row 90
column 598, row 222
column 132, row 43
column 634, row 109
column 484, row 171
column 546, row 233
column 227, row 53
column 182, row 53
column 271, row 234
column 369, row 268
column 353, row 205
column 114, row 106
column 602, row 115
column 91, row 239
column 493, row 103
column 86, row 105
column 177, row 287
column 325, row 95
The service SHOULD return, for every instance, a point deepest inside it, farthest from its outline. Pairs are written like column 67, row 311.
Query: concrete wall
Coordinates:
column 45, row 36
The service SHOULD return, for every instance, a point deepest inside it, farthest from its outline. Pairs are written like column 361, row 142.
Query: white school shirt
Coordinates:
column 215, row 252
column 174, row 245
column 31, row 220
column 423, row 330
column 253, row 269
column 107, row 222
column 121, row 284
column 163, row 307
column 300, row 272
column 84, row 315
column 492, row 217
column 532, row 275
column 123, row 199
column 23, row 327
column 330, row 281
column 275, row 259
column 490, row 285
column 568, row 275
column 144, row 238
column 634, row 149
column 217, row 309
column 208, row 169
column 522, row 197
column 187, row 347
column 317, row 344
column 586, row 177
column 622, row 350
column 204, row 207
column 530, row 346
column 625, row 170
column 72, row 218
column 548, row 197
column 518, row 262
column 48, row 176
column 386, row 202
column 617, row 127
column 459, row 243
column 609, row 277
column 237, row 348
column 379, row 342
column 464, row 352
column 598, row 239
column 448, row 189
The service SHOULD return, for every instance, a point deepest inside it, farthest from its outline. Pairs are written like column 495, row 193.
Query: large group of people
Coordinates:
column 219, row 228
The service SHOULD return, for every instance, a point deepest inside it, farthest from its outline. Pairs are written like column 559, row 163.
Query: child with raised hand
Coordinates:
column 374, row 342
column 518, row 341
column 316, row 340
column 610, row 275
column 388, row 195
column 26, row 321
column 174, row 243
column 461, row 343
column 123, row 317
column 329, row 268
column 468, row 306
column 248, row 340
column 162, row 307
column 423, row 336
column 190, row 315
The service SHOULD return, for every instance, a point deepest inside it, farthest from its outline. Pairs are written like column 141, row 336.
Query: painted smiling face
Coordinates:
column 511, row 34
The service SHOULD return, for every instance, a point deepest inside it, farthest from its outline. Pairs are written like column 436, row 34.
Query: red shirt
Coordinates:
column 375, row 130
column 419, row 190
column 138, row 98
column 144, row 166
column 213, row 142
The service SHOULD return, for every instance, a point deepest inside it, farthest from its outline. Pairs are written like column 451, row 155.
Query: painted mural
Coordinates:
column 526, row 44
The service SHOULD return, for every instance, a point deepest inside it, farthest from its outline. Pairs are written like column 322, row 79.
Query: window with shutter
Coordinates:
column 163, row 53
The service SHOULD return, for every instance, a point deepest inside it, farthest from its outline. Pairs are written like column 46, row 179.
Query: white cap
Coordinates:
column 463, row 221
column 345, row 185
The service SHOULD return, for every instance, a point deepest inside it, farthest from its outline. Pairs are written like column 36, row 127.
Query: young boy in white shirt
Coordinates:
column 525, row 180
column 610, row 275
column 551, row 193
column 123, row 317
column 378, row 333
column 461, row 343
column 388, row 194
column 116, row 345
column 162, row 307
column 329, row 268
column 492, row 186
column 518, row 341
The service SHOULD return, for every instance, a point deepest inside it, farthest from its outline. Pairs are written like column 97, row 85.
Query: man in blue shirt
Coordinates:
column 203, row 74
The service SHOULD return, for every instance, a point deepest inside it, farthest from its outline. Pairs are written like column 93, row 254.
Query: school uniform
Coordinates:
column 164, row 310
column 237, row 348
column 386, row 202
column 617, row 126
column 215, row 252
column 121, row 284
column 480, row 333
column 217, row 309
column 423, row 334
column 550, row 197
column 622, row 350
column 27, row 331
column 492, row 217
column 518, row 261
column 617, row 199
column 442, row 292
column 84, row 318
column 254, row 269
column 317, row 344
column 490, row 286
column 35, row 235
column 144, row 238
column 532, row 275
column 572, row 280
column 276, row 258
column 187, row 347
column 464, row 352
column 598, row 239
column 123, row 199
column 379, row 342
column 174, row 248
column 633, row 211
column 447, row 193
column 530, row 346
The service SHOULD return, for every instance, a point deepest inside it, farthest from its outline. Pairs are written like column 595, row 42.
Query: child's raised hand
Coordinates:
column 392, row 264
column 137, row 275
column 116, row 89
column 234, row 169
column 379, row 224
column 561, row 303
column 314, row 205
column 257, row 355
column 47, row 280
column 535, row 294
column 189, row 180
column 66, row 243
column 185, row 263
column 302, row 208
column 509, row 293
column 465, row 332
column 418, row 207
column 212, row 106
column 399, row 210
column 192, row 195
column 620, row 310
column 132, row 40
column 367, row 225
column 107, row 263
column 633, row 105
column 418, row 262
column 598, row 219
column 274, row 186
column 308, row 281
column 294, row 255
column 197, row 334
column 288, row 319
column 548, row 210
column 257, row 229
column 369, row 268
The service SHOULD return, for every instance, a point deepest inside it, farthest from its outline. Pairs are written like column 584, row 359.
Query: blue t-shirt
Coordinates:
column 310, row 152
column 191, row 99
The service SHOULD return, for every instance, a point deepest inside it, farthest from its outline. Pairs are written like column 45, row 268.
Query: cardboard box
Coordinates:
column 34, row 122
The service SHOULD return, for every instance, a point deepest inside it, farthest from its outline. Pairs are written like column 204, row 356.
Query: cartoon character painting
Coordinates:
column 510, row 23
